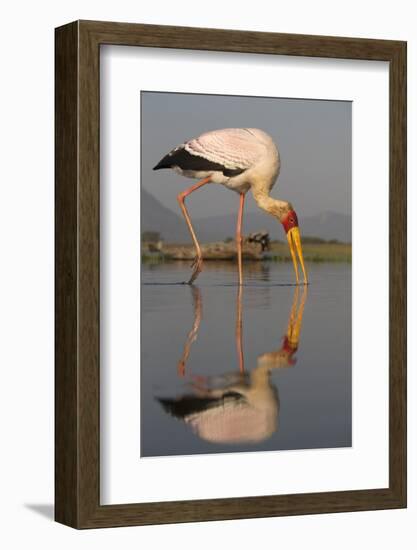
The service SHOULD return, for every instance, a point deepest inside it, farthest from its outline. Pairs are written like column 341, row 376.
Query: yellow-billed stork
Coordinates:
column 240, row 159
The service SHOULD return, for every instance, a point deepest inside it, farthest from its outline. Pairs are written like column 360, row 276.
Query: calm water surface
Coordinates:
column 264, row 368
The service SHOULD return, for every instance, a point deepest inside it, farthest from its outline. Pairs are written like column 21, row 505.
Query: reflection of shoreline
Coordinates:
column 242, row 406
column 252, row 253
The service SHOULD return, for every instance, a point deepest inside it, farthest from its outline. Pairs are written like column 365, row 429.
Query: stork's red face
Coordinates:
column 290, row 224
column 290, row 221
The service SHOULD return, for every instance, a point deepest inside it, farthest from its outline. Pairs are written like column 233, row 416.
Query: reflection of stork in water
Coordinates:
column 239, row 407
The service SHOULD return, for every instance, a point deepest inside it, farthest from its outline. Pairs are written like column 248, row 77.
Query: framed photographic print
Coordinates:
column 230, row 274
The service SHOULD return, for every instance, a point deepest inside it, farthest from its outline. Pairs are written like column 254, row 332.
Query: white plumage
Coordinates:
column 231, row 156
column 232, row 147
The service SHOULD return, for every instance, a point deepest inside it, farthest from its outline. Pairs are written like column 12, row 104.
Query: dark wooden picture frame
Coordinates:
column 77, row 372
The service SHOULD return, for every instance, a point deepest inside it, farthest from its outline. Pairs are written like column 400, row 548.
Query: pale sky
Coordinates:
column 313, row 137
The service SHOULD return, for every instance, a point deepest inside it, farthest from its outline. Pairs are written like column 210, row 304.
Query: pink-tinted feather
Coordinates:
column 231, row 147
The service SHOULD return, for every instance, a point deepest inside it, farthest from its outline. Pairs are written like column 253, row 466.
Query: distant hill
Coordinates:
column 328, row 225
column 171, row 226
column 156, row 217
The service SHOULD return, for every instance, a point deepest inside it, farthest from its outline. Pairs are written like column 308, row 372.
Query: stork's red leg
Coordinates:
column 198, row 262
column 239, row 345
column 239, row 237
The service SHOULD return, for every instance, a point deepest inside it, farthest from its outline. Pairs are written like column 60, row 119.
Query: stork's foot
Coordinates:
column 197, row 267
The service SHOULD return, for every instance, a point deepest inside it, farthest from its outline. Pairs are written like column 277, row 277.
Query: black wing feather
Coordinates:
column 186, row 161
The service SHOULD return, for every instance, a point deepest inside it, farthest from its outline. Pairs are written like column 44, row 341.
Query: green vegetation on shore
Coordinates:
column 278, row 252
column 313, row 252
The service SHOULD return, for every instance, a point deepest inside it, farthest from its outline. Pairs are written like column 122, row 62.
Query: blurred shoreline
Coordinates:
column 314, row 251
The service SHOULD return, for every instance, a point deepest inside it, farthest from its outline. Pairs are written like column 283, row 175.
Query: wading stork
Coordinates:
column 240, row 159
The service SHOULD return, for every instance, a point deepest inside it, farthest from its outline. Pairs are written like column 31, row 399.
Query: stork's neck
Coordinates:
column 277, row 208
